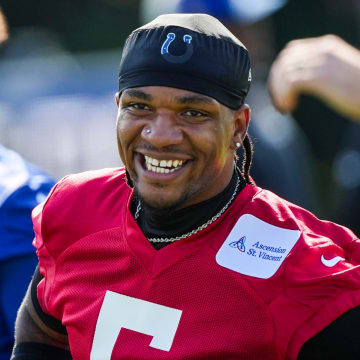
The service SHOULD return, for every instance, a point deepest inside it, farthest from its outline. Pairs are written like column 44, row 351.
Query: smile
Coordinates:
column 163, row 166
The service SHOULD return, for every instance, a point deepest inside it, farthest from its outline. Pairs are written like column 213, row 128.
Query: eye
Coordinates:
column 193, row 116
column 138, row 106
column 193, row 113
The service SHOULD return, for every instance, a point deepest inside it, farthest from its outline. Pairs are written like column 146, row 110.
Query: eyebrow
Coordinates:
column 191, row 99
column 138, row 94
column 195, row 99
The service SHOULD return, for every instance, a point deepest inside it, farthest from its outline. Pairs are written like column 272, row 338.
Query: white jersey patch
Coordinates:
column 120, row 311
column 256, row 248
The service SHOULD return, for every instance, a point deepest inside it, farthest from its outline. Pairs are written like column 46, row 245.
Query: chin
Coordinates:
column 159, row 202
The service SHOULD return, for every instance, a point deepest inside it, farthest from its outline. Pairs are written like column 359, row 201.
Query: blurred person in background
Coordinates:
column 334, row 139
column 282, row 150
column 22, row 187
column 327, row 68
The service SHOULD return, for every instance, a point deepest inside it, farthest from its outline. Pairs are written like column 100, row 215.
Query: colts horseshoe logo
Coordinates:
column 179, row 58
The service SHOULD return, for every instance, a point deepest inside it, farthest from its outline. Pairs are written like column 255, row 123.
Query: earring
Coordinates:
column 238, row 144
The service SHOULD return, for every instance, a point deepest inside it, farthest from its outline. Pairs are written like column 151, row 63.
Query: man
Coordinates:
column 180, row 255
column 22, row 187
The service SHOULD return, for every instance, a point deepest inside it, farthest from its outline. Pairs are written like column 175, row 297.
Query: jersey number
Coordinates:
column 121, row 311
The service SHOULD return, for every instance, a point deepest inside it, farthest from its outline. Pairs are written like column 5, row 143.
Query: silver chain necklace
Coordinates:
column 199, row 228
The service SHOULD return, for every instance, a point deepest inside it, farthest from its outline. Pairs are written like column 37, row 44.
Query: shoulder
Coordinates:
column 289, row 236
column 86, row 191
column 90, row 187
column 92, row 178
column 22, row 187
column 306, row 268
column 13, row 173
column 79, row 205
column 280, row 212
column 21, row 181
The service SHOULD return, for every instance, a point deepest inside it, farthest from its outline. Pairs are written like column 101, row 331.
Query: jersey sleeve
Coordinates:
column 322, row 278
column 318, row 281
column 48, row 320
column 49, row 241
column 47, row 262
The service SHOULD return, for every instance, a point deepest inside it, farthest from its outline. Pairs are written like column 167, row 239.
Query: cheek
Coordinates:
column 213, row 144
column 121, row 126
column 126, row 129
column 119, row 133
column 120, row 146
column 126, row 133
column 222, row 143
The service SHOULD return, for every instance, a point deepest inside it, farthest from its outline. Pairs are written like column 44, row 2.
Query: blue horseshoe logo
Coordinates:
column 180, row 58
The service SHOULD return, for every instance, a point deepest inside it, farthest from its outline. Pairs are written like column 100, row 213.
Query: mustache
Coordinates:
column 170, row 149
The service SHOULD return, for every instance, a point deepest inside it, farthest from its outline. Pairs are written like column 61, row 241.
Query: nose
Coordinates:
column 162, row 131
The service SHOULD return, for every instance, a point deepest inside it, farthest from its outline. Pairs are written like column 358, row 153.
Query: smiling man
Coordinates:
column 175, row 144
column 179, row 255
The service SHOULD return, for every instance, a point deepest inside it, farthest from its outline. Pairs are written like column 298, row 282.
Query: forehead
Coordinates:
column 154, row 93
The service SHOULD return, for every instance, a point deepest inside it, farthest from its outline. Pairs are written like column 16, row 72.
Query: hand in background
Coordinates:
column 326, row 67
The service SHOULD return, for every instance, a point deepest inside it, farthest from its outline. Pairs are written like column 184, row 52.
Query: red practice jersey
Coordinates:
column 255, row 284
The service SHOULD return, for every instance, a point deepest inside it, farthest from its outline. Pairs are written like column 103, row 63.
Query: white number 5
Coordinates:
column 121, row 311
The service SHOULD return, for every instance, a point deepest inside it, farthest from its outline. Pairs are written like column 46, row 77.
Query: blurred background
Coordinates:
column 58, row 76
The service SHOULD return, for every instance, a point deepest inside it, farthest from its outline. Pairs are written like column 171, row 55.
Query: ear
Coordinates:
column 117, row 98
column 241, row 124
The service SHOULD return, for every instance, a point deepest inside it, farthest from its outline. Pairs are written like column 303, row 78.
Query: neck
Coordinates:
column 170, row 223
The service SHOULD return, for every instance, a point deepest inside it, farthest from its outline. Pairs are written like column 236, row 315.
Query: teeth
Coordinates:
column 160, row 166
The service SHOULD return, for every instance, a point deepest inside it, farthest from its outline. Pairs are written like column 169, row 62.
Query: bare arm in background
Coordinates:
column 30, row 328
column 326, row 67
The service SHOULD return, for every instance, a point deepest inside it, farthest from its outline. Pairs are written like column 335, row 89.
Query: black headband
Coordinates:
column 187, row 51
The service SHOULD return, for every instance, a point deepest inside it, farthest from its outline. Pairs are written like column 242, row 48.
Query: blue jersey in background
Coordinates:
column 22, row 187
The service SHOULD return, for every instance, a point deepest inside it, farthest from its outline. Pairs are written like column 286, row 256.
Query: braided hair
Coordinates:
column 128, row 179
column 247, row 158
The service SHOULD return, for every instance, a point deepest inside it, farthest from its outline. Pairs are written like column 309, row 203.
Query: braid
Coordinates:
column 128, row 179
column 248, row 157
